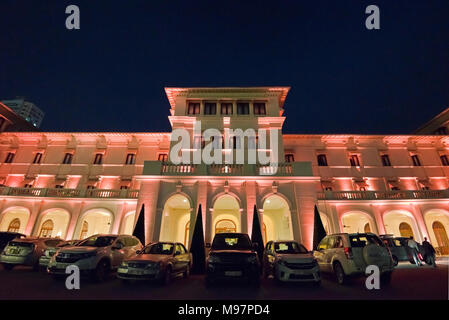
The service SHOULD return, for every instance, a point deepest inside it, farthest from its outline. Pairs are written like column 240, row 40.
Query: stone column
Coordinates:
column 421, row 223
column 34, row 214
column 74, row 220
column 118, row 218
column 379, row 219
column 305, row 197
column 250, row 190
column 148, row 195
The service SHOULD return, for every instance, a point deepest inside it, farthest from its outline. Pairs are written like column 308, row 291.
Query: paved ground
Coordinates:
column 409, row 282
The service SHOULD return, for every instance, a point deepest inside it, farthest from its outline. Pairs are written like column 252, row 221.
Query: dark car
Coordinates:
column 5, row 237
column 232, row 256
column 400, row 251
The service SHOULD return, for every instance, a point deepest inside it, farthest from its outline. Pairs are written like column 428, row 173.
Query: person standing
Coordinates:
column 429, row 250
column 414, row 249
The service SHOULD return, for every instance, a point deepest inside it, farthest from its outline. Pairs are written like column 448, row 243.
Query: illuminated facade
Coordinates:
column 73, row 185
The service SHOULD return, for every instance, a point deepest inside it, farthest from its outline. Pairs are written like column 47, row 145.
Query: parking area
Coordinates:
column 409, row 282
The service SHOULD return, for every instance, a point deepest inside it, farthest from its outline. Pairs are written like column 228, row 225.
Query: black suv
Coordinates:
column 232, row 255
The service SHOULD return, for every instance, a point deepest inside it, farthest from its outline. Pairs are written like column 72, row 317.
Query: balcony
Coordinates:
column 70, row 193
column 157, row 168
column 383, row 195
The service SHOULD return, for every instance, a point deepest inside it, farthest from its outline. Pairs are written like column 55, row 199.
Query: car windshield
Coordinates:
column 101, row 241
column 289, row 248
column 231, row 242
column 159, row 248
column 360, row 241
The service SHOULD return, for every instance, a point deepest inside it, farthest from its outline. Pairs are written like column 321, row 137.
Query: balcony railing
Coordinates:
column 70, row 193
column 281, row 169
column 383, row 195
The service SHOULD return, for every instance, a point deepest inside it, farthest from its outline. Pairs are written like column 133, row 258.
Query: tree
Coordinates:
column 197, row 248
column 139, row 228
column 318, row 229
column 256, row 234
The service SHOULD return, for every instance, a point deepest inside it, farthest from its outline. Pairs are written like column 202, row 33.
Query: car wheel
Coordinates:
column 340, row 274
column 102, row 270
column 395, row 260
column 8, row 266
column 186, row 273
column 385, row 278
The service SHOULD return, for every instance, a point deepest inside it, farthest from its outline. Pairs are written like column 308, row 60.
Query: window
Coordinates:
column 14, row 226
column 259, row 108
column 444, row 160
column 194, row 108
column 235, row 142
column 130, row 158
column 123, row 187
column 323, row 245
column 441, row 131
column 385, row 160
column 415, row 160
column 322, row 160
column 354, row 160
column 91, row 187
column 242, row 108
column 67, row 158
column 290, row 158
column 59, row 186
column 98, row 158
column 37, row 157
column 393, row 188
column 163, row 157
column 198, row 142
column 28, row 185
column 9, row 157
column 210, row 108
column 46, row 229
column 327, row 188
column 226, row 108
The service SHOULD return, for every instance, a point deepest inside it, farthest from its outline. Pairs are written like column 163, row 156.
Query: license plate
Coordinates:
column 136, row 272
column 299, row 272
column 233, row 273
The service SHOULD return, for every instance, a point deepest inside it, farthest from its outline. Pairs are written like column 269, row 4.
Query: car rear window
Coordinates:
column 231, row 242
column 289, row 248
column 21, row 244
column 360, row 241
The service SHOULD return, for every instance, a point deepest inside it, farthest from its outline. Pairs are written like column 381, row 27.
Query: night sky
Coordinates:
column 110, row 75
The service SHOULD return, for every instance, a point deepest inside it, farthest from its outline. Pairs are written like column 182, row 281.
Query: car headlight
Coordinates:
column 124, row 264
column 213, row 259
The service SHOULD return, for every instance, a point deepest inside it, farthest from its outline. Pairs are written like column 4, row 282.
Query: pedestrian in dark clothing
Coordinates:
column 429, row 251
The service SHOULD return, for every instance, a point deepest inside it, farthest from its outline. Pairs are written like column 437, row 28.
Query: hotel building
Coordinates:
column 73, row 185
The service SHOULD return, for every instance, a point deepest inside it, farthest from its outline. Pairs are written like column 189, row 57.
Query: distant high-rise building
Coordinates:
column 27, row 110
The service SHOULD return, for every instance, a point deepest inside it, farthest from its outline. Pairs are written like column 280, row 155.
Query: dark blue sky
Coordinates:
column 110, row 75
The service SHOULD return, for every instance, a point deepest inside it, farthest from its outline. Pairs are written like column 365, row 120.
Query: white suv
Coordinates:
column 95, row 256
column 348, row 254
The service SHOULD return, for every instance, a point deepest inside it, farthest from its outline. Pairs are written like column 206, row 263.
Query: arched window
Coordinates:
column 405, row 230
column 367, row 228
column 225, row 225
column 442, row 239
column 46, row 229
column 187, row 234
column 84, row 230
column 14, row 226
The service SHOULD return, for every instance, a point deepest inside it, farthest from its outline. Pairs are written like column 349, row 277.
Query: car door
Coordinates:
column 185, row 257
column 118, row 252
column 320, row 254
column 179, row 258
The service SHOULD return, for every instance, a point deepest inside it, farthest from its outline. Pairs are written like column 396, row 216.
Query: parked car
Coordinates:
column 5, row 237
column 290, row 261
column 26, row 251
column 95, row 256
column 232, row 255
column 398, row 247
column 348, row 255
column 50, row 251
column 157, row 261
